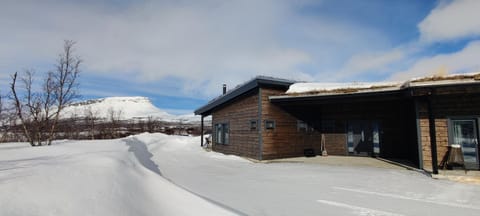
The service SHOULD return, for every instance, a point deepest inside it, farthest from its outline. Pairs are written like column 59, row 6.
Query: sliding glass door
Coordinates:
column 363, row 138
column 464, row 133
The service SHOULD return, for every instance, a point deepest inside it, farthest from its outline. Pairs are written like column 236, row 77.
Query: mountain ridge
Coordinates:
column 125, row 108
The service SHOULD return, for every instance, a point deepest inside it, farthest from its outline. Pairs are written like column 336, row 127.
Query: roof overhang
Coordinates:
column 241, row 90
column 408, row 90
column 391, row 94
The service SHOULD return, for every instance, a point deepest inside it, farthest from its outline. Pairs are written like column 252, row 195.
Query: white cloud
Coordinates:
column 4, row 82
column 457, row 19
column 369, row 63
column 202, row 43
column 449, row 20
column 465, row 60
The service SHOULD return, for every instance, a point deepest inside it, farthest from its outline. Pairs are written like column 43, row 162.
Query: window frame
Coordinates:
column 253, row 124
column 270, row 124
column 226, row 133
column 222, row 133
column 302, row 126
column 451, row 134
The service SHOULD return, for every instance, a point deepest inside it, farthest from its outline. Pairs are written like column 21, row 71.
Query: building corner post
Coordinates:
column 419, row 132
column 260, row 137
column 433, row 134
column 201, row 131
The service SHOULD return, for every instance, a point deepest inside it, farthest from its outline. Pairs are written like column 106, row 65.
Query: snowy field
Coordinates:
column 156, row 174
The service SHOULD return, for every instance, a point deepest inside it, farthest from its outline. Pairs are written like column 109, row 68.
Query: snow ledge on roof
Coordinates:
column 322, row 88
column 301, row 88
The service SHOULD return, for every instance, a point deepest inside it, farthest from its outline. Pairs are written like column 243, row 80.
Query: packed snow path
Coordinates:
column 156, row 174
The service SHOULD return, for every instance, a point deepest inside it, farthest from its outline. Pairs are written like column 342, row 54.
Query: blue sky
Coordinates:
column 179, row 53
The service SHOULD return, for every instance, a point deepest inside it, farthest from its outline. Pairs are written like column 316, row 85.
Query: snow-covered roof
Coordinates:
column 299, row 89
column 444, row 80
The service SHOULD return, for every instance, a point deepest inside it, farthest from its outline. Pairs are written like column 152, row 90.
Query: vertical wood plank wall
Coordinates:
column 243, row 141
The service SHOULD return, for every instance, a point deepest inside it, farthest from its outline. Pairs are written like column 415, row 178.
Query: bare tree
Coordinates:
column 33, row 108
column 7, row 120
column 1, row 103
column 90, row 120
column 114, row 117
column 64, row 83
column 139, row 126
column 20, row 106
column 151, row 124
column 3, row 120
column 2, row 117
column 72, row 130
column 39, row 112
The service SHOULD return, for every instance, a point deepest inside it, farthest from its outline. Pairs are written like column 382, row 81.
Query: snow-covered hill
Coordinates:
column 126, row 108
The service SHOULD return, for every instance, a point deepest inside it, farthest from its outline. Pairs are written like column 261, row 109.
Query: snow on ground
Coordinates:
column 90, row 178
column 156, row 174
column 307, row 189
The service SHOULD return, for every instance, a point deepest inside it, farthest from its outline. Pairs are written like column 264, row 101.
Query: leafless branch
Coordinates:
column 39, row 111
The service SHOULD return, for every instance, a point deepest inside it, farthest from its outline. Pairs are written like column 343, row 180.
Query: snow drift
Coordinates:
column 90, row 178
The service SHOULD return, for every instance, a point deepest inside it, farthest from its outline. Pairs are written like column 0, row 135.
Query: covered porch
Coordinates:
column 375, row 124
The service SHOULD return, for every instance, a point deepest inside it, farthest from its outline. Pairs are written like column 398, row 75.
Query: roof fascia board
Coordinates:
column 254, row 83
column 227, row 97
column 332, row 96
column 440, row 84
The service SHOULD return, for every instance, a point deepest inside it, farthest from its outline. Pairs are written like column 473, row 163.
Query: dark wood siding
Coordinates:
column 447, row 102
column 243, row 141
column 285, row 140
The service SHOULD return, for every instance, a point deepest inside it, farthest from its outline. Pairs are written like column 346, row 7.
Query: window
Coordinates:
column 302, row 126
column 226, row 133
column 464, row 134
column 222, row 133
column 253, row 124
column 219, row 134
column 269, row 124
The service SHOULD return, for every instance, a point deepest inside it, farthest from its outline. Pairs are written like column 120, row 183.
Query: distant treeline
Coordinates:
column 87, row 128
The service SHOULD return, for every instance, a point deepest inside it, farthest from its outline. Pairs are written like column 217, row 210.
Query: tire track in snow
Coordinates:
column 407, row 198
column 360, row 210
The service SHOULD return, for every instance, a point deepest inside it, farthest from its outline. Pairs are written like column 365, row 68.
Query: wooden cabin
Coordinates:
column 414, row 122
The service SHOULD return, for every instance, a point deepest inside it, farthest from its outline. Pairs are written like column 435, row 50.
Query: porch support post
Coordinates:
column 419, row 136
column 260, row 125
column 201, row 131
column 433, row 134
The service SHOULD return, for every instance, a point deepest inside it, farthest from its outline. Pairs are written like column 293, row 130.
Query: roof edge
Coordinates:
column 242, row 89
